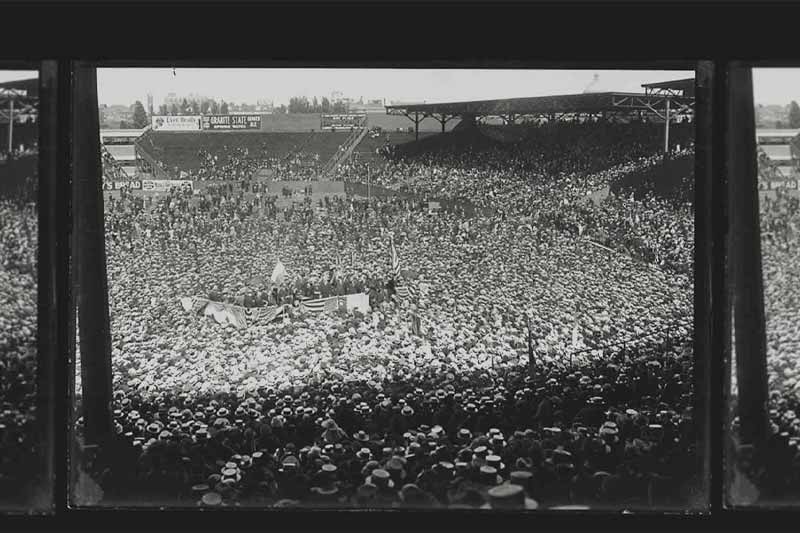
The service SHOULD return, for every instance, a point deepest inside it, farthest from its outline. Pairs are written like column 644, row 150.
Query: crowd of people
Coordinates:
column 18, row 345
column 544, row 369
column 775, row 475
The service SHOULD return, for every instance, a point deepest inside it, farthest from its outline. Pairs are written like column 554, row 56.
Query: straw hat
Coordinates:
column 508, row 496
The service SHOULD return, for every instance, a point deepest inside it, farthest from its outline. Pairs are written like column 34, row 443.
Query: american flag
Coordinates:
column 272, row 313
column 395, row 260
column 320, row 305
column 406, row 291
column 252, row 313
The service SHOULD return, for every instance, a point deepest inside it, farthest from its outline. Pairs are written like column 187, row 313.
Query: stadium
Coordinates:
column 481, row 304
column 19, row 473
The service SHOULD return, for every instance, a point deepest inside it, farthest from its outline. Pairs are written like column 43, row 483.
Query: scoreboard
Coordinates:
column 342, row 122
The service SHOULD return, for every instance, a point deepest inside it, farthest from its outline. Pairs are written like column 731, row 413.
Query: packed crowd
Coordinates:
column 18, row 348
column 368, row 410
column 775, row 475
column 21, row 150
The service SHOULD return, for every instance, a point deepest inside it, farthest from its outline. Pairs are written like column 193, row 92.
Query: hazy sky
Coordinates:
column 124, row 86
column 776, row 85
column 14, row 75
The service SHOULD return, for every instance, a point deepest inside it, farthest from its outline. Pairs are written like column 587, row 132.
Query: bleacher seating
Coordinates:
column 181, row 149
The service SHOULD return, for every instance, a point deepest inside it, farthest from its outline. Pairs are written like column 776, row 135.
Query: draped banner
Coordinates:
column 235, row 315
column 350, row 302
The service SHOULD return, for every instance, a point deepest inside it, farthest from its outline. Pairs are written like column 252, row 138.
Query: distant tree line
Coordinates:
column 301, row 104
column 209, row 106
column 779, row 117
column 204, row 107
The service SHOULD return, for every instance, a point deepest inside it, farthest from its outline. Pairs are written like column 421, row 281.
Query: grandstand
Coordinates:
column 665, row 101
column 777, row 159
column 24, row 450
column 282, row 139
column 121, row 145
column 18, row 114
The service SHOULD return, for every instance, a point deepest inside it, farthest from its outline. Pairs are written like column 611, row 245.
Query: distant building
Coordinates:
column 265, row 106
column 114, row 115
column 171, row 99
column 370, row 106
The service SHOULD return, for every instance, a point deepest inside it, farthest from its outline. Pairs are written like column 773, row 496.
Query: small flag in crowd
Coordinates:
column 575, row 335
column 395, row 261
column 186, row 303
column 531, row 359
column 416, row 324
column 278, row 273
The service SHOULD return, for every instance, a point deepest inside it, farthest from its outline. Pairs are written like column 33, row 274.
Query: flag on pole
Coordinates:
column 395, row 260
column 187, row 303
column 278, row 273
column 416, row 324
column 575, row 335
column 531, row 360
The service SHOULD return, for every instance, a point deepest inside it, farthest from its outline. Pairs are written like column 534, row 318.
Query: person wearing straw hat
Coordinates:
column 509, row 496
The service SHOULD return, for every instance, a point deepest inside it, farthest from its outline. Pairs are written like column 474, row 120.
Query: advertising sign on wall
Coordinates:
column 117, row 185
column 232, row 122
column 176, row 123
column 165, row 185
column 342, row 122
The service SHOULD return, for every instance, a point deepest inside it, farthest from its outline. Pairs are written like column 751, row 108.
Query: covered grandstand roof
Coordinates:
column 778, row 152
column 121, row 133
column 30, row 86
column 24, row 94
column 666, row 102
column 684, row 87
column 543, row 105
column 781, row 136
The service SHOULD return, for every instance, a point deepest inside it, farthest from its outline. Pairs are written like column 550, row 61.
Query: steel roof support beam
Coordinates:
column 443, row 119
